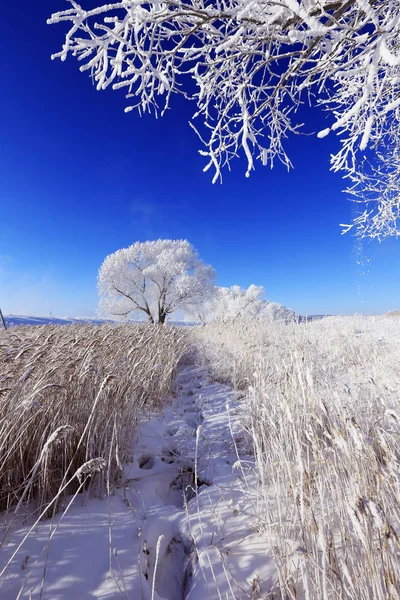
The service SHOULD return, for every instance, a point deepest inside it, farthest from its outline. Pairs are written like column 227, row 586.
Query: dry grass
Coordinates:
column 232, row 349
column 324, row 416
column 322, row 409
column 71, row 398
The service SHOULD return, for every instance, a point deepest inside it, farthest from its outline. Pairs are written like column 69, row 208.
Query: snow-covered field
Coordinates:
column 14, row 320
column 178, row 525
column 272, row 471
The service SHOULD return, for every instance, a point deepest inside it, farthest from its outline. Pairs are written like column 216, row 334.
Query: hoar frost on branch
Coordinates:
column 274, row 311
column 153, row 279
column 229, row 303
column 253, row 63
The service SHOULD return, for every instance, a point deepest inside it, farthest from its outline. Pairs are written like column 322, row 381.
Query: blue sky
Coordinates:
column 80, row 179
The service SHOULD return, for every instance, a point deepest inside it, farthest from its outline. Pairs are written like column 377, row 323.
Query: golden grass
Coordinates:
column 73, row 394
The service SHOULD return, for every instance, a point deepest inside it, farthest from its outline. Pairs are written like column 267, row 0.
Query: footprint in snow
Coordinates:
column 146, row 462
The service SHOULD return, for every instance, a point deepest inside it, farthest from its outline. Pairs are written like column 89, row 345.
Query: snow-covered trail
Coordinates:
column 181, row 527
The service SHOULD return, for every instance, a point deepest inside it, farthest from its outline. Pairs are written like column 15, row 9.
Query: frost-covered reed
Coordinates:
column 71, row 398
column 324, row 417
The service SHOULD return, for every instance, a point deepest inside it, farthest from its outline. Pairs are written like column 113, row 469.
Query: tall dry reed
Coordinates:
column 73, row 394
column 324, row 417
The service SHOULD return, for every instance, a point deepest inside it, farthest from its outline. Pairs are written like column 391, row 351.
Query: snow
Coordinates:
column 186, row 504
column 14, row 320
column 324, row 133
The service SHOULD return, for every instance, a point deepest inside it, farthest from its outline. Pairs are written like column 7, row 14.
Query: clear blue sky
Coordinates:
column 80, row 179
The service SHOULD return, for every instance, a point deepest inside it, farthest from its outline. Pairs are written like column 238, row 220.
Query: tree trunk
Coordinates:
column 2, row 320
column 161, row 318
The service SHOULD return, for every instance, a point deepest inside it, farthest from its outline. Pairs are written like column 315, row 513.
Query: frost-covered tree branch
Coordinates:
column 378, row 187
column 253, row 62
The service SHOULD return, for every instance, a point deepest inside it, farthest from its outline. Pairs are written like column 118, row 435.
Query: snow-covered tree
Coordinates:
column 154, row 278
column 228, row 303
column 233, row 302
column 253, row 63
column 273, row 311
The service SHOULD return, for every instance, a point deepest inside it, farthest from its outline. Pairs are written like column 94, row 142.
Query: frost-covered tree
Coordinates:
column 253, row 62
column 228, row 303
column 153, row 278
column 233, row 302
column 273, row 311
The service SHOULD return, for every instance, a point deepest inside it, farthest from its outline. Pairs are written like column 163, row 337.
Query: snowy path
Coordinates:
column 186, row 507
